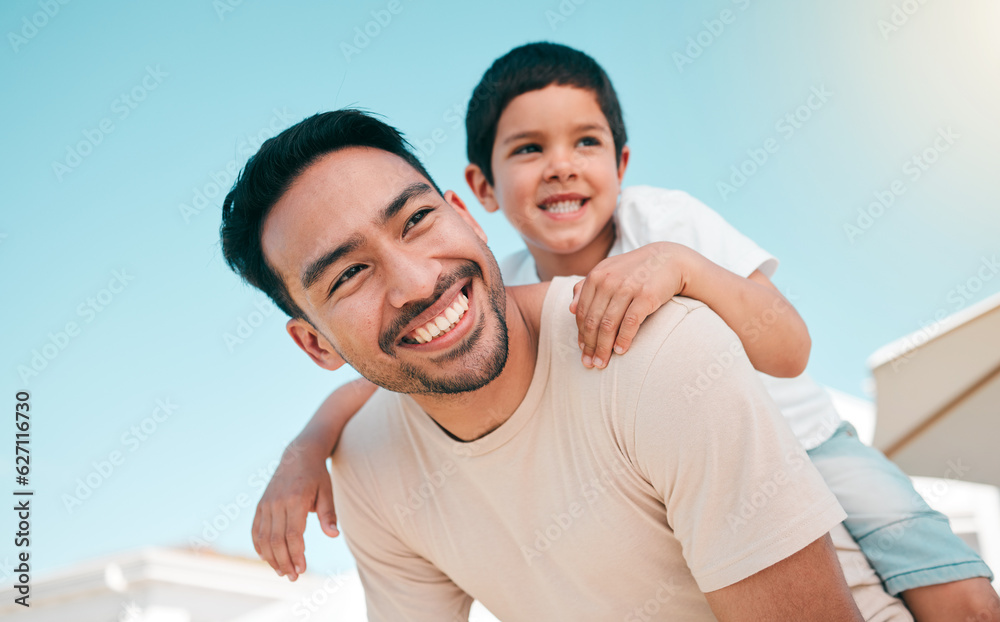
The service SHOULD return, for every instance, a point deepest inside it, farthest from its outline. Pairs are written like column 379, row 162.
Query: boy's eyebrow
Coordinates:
column 583, row 127
column 318, row 267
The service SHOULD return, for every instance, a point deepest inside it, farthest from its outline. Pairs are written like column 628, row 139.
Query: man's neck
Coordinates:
column 474, row 414
column 579, row 263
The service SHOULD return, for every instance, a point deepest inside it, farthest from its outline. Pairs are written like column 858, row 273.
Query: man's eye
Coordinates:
column 345, row 276
column 417, row 217
column 529, row 148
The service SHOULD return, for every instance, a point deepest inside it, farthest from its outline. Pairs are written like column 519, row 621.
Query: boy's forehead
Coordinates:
column 553, row 103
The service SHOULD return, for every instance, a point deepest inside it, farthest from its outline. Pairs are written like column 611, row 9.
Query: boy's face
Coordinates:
column 373, row 255
column 554, row 169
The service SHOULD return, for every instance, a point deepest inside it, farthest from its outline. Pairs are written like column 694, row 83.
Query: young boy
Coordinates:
column 546, row 146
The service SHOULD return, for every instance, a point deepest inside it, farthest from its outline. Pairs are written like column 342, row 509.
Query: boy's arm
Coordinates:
column 621, row 291
column 301, row 483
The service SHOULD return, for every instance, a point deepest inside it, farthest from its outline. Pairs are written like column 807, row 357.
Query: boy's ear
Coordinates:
column 463, row 211
column 313, row 344
column 624, row 162
column 481, row 188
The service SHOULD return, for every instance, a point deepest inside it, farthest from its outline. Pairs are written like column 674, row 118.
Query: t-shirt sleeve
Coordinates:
column 673, row 216
column 739, row 490
column 399, row 584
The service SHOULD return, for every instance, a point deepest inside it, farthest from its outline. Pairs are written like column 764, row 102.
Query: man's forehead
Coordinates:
column 338, row 195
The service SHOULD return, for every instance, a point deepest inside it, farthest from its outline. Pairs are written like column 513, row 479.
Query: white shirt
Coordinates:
column 607, row 494
column 646, row 214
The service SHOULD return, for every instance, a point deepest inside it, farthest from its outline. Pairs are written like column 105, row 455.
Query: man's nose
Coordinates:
column 410, row 278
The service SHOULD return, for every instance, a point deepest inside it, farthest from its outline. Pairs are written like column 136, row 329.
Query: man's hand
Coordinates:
column 300, row 485
column 620, row 292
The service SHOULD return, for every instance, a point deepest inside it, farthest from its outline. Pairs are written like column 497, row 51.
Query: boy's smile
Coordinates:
column 555, row 173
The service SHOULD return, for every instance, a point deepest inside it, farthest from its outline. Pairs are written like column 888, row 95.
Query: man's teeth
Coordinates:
column 443, row 323
column 564, row 207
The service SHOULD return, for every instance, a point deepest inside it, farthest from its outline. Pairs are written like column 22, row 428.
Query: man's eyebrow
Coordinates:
column 413, row 190
column 318, row 267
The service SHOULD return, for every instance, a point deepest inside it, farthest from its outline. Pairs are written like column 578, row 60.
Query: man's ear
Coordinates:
column 463, row 211
column 481, row 188
column 624, row 162
column 313, row 344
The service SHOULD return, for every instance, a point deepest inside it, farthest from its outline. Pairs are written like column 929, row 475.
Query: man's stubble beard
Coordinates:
column 482, row 363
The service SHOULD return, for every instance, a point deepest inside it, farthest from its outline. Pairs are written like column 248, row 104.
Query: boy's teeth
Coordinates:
column 443, row 323
column 564, row 207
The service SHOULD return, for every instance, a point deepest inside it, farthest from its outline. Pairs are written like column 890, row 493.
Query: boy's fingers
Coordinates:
column 613, row 315
column 263, row 537
column 576, row 296
column 294, row 529
column 279, row 548
column 255, row 531
column 325, row 510
column 636, row 314
column 592, row 323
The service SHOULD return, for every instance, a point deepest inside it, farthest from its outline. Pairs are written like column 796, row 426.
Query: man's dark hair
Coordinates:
column 529, row 68
column 270, row 173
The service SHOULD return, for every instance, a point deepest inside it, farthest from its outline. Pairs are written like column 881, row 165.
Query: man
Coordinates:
column 495, row 470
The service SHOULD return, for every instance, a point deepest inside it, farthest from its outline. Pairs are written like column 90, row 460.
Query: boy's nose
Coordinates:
column 561, row 166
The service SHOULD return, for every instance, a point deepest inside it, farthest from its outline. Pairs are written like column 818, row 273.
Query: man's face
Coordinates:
column 395, row 280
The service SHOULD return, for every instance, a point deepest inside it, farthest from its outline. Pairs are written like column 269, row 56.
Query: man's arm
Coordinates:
column 808, row 585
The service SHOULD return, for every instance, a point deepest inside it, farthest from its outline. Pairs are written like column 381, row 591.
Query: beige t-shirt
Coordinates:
column 607, row 495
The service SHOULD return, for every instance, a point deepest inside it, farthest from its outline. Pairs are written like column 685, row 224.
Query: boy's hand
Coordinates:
column 620, row 292
column 300, row 485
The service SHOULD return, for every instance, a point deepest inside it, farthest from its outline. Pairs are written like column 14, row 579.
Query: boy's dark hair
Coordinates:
column 272, row 170
column 527, row 68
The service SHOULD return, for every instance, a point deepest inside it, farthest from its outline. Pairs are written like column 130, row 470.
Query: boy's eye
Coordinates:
column 345, row 276
column 589, row 141
column 416, row 218
column 529, row 148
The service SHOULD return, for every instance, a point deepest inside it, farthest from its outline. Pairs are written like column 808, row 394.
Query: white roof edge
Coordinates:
column 908, row 343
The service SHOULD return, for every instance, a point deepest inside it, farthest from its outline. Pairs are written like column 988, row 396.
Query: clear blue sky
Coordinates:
column 121, row 120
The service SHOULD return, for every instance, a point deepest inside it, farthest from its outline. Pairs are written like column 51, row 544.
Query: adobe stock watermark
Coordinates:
column 88, row 310
column 228, row 512
column 305, row 607
column 665, row 591
column 248, row 325
column 225, row 7
column 559, row 523
column 787, row 126
column 32, row 24
column 887, row 538
column 713, row 29
column 957, row 298
column 365, row 34
column 131, row 440
column 913, row 169
column 899, row 17
column 219, row 182
column 121, row 108
column 563, row 11
column 753, row 501
column 752, row 329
